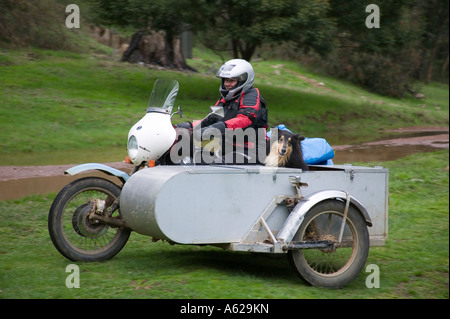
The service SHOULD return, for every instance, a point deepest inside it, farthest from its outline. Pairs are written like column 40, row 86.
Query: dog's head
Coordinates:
column 285, row 141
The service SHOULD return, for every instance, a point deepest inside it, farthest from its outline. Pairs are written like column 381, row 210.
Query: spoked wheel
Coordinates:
column 340, row 263
column 73, row 231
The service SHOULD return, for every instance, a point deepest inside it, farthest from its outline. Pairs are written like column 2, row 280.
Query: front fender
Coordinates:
column 100, row 167
column 297, row 215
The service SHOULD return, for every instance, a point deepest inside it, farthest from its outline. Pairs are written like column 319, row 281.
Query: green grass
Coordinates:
column 413, row 264
column 63, row 101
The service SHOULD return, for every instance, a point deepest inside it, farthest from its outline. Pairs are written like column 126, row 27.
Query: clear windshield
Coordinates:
column 163, row 96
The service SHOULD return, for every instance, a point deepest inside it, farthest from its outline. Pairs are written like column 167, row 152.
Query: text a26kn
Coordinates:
column 243, row 308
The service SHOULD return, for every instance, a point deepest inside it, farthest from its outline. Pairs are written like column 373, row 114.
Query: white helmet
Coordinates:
column 237, row 69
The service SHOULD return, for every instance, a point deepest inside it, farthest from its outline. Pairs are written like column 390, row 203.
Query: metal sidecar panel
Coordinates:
column 200, row 204
column 220, row 204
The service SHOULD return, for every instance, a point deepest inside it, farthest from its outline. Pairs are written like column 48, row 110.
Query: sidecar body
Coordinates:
column 249, row 208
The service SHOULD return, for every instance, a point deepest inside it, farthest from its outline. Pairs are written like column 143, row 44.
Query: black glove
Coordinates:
column 210, row 130
column 186, row 125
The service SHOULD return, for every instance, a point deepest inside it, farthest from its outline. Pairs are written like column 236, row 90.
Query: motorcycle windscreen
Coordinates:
column 163, row 95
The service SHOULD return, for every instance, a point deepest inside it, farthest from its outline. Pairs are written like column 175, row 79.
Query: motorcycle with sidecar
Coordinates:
column 324, row 219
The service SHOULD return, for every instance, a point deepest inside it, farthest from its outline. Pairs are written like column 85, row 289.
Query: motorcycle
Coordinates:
column 314, row 217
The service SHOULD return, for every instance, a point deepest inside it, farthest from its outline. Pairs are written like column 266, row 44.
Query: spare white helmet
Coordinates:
column 237, row 69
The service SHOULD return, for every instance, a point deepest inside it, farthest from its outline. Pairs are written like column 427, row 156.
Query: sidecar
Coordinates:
column 325, row 219
column 247, row 207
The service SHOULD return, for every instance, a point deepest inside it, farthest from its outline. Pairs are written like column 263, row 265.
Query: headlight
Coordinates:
column 132, row 147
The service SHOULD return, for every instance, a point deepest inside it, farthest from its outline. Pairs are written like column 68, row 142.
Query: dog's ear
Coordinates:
column 299, row 137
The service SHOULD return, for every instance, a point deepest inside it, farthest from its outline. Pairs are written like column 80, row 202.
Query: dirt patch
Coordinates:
column 20, row 181
column 302, row 77
column 311, row 81
column 420, row 129
column 20, row 172
column 436, row 141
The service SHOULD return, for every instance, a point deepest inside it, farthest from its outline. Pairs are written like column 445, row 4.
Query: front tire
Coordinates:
column 73, row 234
column 331, row 268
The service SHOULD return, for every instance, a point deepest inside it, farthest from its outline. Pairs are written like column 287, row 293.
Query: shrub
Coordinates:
column 38, row 24
column 379, row 73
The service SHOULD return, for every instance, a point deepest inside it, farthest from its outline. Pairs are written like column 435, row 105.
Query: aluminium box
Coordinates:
column 220, row 204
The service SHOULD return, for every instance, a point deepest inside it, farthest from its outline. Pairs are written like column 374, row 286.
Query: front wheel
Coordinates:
column 331, row 267
column 77, row 236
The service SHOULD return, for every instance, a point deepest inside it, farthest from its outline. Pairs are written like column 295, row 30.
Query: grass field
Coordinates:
column 54, row 101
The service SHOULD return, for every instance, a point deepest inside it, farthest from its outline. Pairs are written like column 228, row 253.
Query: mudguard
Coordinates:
column 297, row 215
column 100, row 167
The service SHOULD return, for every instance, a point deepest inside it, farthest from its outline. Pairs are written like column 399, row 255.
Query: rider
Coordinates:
column 243, row 105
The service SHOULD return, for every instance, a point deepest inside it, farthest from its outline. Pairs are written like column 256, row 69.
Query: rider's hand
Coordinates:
column 208, row 131
column 186, row 125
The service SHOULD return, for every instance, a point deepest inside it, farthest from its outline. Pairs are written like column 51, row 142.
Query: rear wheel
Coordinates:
column 337, row 266
column 77, row 236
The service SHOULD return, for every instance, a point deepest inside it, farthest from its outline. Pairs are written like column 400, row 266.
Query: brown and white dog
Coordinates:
column 286, row 150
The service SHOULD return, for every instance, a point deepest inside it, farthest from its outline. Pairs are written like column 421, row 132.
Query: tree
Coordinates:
column 435, row 36
column 33, row 23
column 159, row 24
column 383, row 59
column 245, row 25
column 242, row 25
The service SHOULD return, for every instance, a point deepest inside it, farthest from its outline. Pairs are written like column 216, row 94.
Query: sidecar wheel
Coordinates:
column 73, row 234
column 332, row 267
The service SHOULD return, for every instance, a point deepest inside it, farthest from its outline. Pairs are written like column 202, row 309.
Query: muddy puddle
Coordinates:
column 19, row 181
column 377, row 153
column 392, row 149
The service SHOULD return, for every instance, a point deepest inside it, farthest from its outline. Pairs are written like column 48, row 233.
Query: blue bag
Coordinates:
column 317, row 151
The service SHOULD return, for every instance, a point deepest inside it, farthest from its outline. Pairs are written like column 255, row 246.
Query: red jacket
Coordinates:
column 248, row 110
